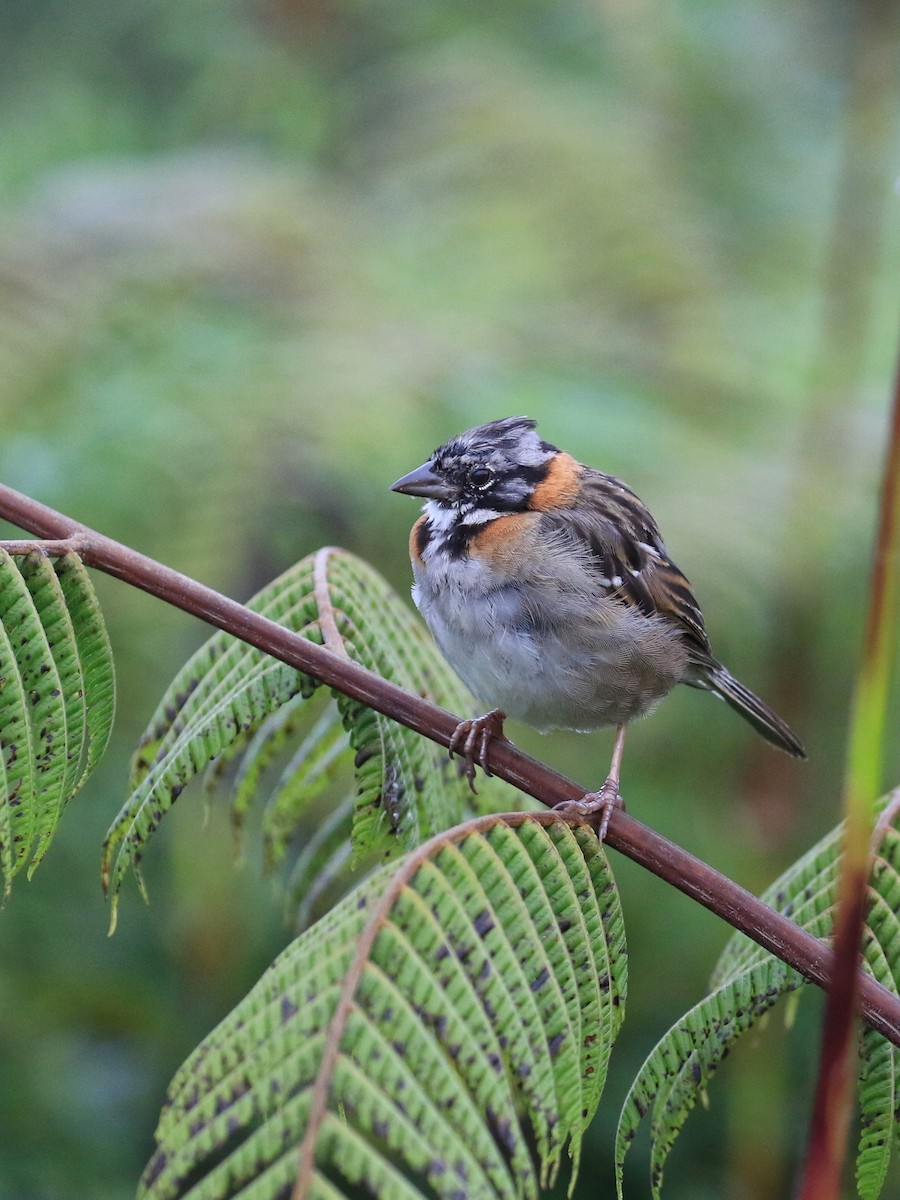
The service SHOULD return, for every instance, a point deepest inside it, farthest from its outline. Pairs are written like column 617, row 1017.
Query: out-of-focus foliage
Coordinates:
column 257, row 258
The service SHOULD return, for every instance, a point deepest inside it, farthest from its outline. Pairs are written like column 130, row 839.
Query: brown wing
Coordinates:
column 631, row 560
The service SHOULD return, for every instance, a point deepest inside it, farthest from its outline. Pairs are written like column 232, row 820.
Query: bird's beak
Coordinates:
column 423, row 481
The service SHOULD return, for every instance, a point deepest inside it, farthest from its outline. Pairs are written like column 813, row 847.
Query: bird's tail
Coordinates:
column 764, row 720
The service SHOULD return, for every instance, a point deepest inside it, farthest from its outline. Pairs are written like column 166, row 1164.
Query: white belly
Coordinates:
column 552, row 659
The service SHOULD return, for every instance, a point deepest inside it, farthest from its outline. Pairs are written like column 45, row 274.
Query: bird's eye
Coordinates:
column 481, row 476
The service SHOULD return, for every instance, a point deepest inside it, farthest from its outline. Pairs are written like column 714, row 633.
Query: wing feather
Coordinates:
column 632, row 562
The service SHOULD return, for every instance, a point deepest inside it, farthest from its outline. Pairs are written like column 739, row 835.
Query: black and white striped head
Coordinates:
column 484, row 473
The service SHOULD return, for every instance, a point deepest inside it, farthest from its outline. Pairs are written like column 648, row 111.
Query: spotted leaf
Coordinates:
column 444, row 1031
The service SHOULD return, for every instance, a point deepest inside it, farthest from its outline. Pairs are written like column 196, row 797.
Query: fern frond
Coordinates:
column 747, row 982
column 232, row 702
column 879, row 1082
column 56, row 701
column 306, row 774
column 443, row 1031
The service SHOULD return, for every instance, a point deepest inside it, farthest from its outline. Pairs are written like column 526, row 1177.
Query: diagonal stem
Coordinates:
column 734, row 904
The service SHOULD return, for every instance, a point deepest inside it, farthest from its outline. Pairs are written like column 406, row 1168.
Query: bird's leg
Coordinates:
column 472, row 738
column 606, row 799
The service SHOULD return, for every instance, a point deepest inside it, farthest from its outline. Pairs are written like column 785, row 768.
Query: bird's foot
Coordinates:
column 472, row 738
column 595, row 808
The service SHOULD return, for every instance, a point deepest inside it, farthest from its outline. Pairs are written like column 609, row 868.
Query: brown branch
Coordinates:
column 742, row 910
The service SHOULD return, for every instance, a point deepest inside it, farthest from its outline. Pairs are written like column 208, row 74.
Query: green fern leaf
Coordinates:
column 319, row 864
column 257, row 755
column 804, row 893
column 18, row 811
column 309, row 769
column 879, row 1085
column 746, row 983
column 443, row 1031
column 232, row 700
column 95, row 659
column 56, row 705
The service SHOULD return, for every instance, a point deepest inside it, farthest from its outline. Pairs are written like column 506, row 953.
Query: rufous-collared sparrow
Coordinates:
column 548, row 589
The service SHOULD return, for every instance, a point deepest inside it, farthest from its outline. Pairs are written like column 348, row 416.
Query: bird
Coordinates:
column 548, row 589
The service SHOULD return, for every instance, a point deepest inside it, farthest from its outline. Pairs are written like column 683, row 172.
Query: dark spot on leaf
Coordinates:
column 437, row 1166
column 538, row 983
column 555, row 1043
column 380, row 1128
column 288, row 1009
column 565, row 925
column 442, row 952
column 155, row 1167
column 502, row 1130
column 484, row 922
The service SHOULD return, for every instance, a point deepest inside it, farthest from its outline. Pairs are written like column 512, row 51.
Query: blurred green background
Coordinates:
column 258, row 258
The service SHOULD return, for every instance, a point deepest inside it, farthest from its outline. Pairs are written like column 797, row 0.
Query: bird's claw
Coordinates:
column 592, row 805
column 471, row 739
